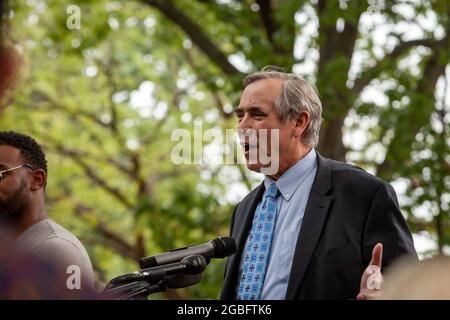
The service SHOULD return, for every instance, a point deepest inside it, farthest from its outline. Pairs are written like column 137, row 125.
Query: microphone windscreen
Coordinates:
column 194, row 264
column 224, row 247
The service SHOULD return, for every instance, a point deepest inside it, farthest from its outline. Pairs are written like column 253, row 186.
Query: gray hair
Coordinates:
column 297, row 96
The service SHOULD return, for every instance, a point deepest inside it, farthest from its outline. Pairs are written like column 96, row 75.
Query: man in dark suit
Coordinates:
column 315, row 228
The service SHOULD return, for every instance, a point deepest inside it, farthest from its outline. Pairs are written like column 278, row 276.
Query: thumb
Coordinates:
column 377, row 255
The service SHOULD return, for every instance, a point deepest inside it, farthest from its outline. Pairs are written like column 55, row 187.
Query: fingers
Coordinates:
column 377, row 255
column 372, row 279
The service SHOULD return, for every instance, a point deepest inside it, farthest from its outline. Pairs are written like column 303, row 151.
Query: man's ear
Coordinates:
column 39, row 178
column 301, row 123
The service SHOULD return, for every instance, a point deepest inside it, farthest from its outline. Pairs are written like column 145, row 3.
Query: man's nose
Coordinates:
column 244, row 123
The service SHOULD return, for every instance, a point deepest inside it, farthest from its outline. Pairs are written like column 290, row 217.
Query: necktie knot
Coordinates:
column 272, row 191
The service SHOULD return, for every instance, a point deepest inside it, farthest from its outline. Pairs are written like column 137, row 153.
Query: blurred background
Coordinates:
column 102, row 85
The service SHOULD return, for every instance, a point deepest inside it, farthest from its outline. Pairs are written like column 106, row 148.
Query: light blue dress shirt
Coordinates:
column 294, row 185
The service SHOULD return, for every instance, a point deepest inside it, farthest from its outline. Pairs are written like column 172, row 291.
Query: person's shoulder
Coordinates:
column 350, row 174
column 57, row 243
column 62, row 248
column 61, row 238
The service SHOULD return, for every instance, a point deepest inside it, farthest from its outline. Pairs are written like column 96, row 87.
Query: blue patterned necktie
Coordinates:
column 257, row 250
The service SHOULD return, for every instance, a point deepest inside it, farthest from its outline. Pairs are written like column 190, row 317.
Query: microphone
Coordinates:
column 218, row 248
column 190, row 265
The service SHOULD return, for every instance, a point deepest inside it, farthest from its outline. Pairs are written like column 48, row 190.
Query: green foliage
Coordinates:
column 111, row 179
column 105, row 99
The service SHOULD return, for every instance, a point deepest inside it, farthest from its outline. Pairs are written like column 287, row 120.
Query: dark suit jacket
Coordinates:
column 347, row 213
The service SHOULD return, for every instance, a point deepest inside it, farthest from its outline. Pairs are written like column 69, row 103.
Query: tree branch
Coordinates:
column 333, row 42
column 110, row 237
column 195, row 32
column 265, row 11
column 336, row 50
column 426, row 87
column 108, row 68
column 373, row 72
column 214, row 92
column 92, row 174
column 41, row 96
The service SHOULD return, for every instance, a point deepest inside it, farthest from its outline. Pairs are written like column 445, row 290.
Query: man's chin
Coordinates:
column 254, row 167
column 266, row 170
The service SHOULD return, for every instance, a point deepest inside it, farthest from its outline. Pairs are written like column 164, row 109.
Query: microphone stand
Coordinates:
column 140, row 285
column 143, row 293
column 136, row 290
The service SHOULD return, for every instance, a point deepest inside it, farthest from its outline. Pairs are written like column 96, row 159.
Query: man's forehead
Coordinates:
column 261, row 91
column 9, row 155
column 266, row 85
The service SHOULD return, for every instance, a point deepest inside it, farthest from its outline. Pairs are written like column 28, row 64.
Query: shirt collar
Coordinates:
column 289, row 182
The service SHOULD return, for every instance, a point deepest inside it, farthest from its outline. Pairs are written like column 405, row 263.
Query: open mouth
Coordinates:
column 247, row 147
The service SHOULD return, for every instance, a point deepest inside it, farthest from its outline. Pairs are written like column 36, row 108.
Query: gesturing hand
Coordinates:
column 372, row 280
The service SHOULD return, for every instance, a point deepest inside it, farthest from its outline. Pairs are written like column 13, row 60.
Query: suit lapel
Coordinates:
column 316, row 213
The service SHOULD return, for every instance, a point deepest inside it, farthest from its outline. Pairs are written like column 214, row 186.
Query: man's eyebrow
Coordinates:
column 249, row 109
column 255, row 109
column 2, row 166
